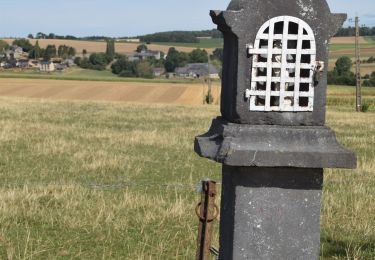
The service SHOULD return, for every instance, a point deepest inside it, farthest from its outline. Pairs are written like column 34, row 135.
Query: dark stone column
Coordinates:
column 270, row 213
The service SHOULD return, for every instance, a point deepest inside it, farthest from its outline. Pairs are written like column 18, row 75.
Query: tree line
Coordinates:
column 173, row 36
column 350, row 31
column 180, row 36
column 342, row 74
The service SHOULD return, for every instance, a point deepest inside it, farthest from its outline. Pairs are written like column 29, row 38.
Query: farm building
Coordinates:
column 143, row 55
column 47, row 66
column 14, row 52
column 197, row 70
column 60, row 67
column 23, row 64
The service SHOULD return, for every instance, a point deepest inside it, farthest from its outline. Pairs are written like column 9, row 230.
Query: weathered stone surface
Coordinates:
column 240, row 24
column 270, row 213
column 273, row 146
column 272, row 161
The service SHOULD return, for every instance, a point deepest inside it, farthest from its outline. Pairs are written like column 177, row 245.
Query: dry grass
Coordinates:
column 191, row 94
column 100, row 46
column 67, row 175
column 347, row 40
column 101, row 180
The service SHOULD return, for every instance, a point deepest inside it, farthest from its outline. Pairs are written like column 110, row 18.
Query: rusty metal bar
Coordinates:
column 207, row 211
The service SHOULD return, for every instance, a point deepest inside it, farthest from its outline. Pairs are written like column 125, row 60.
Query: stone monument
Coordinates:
column 271, row 137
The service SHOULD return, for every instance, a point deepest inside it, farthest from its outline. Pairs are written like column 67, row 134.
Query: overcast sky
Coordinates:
column 129, row 17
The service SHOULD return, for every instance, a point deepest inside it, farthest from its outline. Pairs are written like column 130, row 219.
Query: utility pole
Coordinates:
column 358, row 67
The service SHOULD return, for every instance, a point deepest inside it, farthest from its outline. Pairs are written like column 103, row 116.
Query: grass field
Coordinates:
column 109, row 180
column 76, row 73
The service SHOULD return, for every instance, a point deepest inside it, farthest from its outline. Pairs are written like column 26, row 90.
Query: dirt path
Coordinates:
column 189, row 94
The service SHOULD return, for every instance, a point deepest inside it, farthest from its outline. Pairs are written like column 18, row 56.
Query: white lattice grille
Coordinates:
column 284, row 60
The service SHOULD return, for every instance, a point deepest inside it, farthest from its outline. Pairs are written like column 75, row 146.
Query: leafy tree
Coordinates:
column 175, row 59
column 142, row 47
column 371, row 59
column 198, row 56
column 62, row 51
column 30, row 36
column 71, row 52
column 110, row 51
column 3, row 46
column 85, row 63
column 24, row 44
column 98, row 59
column 77, row 61
column 343, row 65
column 120, row 65
column 125, row 68
column 50, row 52
column 40, row 35
column 143, row 69
column 36, row 52
column 341, row 74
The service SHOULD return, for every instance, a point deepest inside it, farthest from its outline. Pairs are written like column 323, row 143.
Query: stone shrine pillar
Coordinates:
column 271, row 137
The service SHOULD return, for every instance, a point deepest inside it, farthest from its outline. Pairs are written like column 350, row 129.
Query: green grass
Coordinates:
column 85, row 75
column 203, row 44
column 98, row 180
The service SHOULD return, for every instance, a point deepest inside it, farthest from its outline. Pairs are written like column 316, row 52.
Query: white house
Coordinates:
column 47, row 66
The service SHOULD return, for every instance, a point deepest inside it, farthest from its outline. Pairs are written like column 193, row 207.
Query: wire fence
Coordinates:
column 132, row 184
column 108, row 186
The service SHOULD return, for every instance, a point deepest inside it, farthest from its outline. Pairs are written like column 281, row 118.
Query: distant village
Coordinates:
column 15, row 57
column 141, row 63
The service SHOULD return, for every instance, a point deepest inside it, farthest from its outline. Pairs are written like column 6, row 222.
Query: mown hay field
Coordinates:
column 115, row 180
column 347, row 40
column 145, row 92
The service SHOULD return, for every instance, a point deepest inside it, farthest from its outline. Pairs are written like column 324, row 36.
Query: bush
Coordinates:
column 198, row 56
column 347, row 79
column 143, row 69
column 341, row 74
column 366, row 83
column 365, row 107
column 139, row 69
column 371, row 60
column 77, row 61
column 370, row 82
column 96, row 61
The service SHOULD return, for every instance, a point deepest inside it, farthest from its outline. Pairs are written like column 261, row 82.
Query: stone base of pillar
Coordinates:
column 270, row 213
